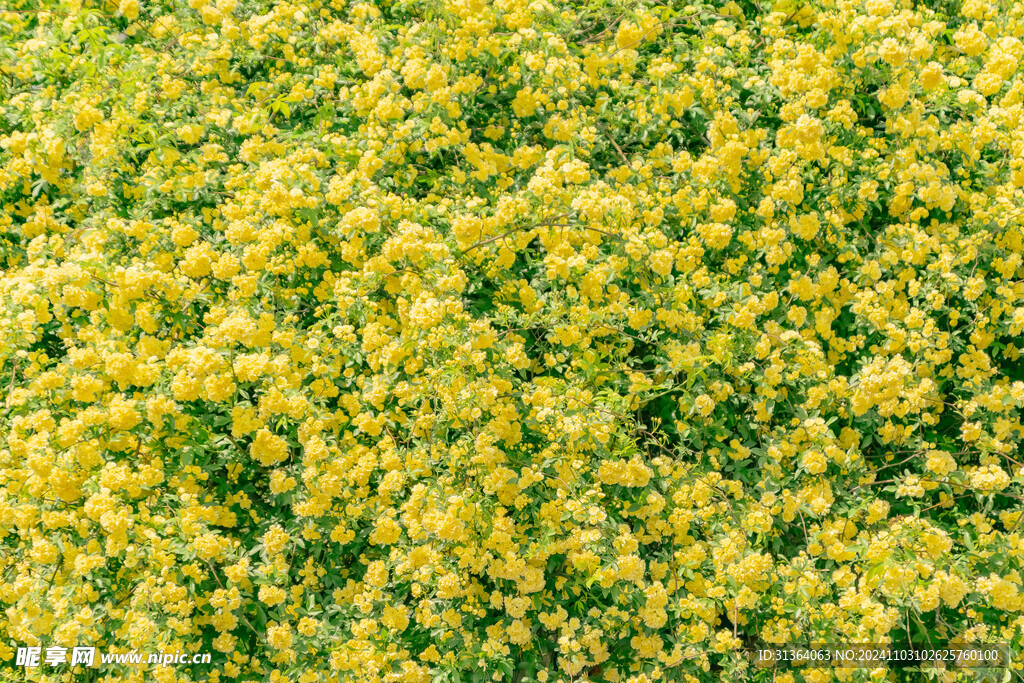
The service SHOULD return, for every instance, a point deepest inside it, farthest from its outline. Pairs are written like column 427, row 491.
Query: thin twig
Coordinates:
column 616, row 146
column 550, row 223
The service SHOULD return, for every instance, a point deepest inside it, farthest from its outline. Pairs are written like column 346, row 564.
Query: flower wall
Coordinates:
column 442, row 341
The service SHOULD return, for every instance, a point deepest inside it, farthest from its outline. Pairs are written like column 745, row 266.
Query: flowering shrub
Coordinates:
column 433, row 341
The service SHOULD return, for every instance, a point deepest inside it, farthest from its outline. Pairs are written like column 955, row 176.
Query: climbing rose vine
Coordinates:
column 437, row 341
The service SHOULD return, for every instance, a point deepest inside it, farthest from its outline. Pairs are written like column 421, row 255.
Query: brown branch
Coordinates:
column 793, row 14
column 549, row 223
column 616, row 145
column 600, row 35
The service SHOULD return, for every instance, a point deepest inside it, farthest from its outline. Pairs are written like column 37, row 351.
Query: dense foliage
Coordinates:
column 435, row 341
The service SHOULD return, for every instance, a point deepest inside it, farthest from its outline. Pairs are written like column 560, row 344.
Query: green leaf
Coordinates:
column 875, row 571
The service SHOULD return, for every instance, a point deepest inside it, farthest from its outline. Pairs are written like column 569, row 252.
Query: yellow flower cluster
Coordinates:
column 415, row 341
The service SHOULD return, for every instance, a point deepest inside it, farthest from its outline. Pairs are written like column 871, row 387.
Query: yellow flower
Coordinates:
column 268, row 448
column 271, row 595
column 279, row 637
